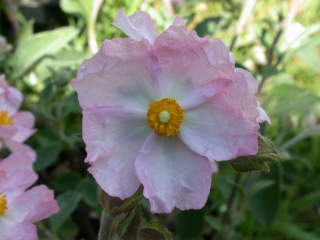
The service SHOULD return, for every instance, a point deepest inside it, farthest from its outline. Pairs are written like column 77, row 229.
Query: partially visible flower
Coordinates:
column 14, row 125
column 160, row 110
column 20, row 210
column 20, row 205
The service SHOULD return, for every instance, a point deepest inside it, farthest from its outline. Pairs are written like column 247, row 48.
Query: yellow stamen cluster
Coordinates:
column 165, row 117
column 3, row 204
column 5, row 118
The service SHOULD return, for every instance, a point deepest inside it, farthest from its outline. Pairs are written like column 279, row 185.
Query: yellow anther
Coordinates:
column 165, row 117
column 3, row 204
column 5, row 118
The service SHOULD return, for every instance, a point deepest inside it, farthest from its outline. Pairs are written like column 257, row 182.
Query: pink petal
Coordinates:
column 263, row 116
column 172, row 175
column 184, row 69
column 21, row 129
column 113, row 139
column 34, row 205
column 125, row 78
column 137, row 26
column 10, row 97
column 224, row 127
column 219, row 55
column 19, row 231
column 17, row 169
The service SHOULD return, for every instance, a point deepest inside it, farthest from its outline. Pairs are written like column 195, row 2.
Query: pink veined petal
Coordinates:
column 252, row 84
column 253, row 87
column 125, row 79
column 202, row 94
column 172, row 175
column 137, row 26
column 184, row 70
column 224, row 127
column 17, row 231
column 10, row 97
column 113, row 138
column 34, row 205
column 219, row 55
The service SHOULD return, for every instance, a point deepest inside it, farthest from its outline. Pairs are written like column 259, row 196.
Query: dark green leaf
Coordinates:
column 47, row 156
column 68, row 202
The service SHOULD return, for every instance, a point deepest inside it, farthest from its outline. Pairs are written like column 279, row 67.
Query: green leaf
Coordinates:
column 69, row 230
column 68, row 202
column 89, row 191
column 267, row 153
column 32, row 49
column 289, row 98
column 307, row 200
column 264, row 203
column 208, row 26
column 295, row 232
column 214, row 222
column 154, row 231
column 67, row 181
column 311, row 57
column 47, row 156
column 68, row 58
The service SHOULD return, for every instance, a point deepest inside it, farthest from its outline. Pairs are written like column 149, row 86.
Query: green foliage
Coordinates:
column 282, row 203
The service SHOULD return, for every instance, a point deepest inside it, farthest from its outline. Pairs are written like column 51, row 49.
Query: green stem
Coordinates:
column 105, row 222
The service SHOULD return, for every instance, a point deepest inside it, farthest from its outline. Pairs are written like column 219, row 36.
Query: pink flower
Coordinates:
column 14, row 125
column 160, row 110
column 20, row 208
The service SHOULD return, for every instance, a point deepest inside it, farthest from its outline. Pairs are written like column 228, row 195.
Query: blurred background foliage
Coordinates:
column 42, row 43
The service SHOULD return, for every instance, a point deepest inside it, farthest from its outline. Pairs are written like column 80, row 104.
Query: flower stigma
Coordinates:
column 5, row 118
column 3, row 204
column 165, row 117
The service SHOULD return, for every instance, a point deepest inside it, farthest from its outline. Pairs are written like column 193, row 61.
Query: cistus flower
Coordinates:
column 21, row 207
column 20, row 210
column 14, row 125
column 160, row 110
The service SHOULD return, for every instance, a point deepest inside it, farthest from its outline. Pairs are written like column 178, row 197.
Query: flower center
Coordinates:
column 5, row 118
column 165, row 117
column 3, row 204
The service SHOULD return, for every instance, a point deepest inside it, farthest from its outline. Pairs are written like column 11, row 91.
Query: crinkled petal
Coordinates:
column 113, row 138
column 137, row 26
column 172, row 175
column 34, row 205
column 219, row 55
column 125, row 78
column 224, row 127
column 184, row 70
